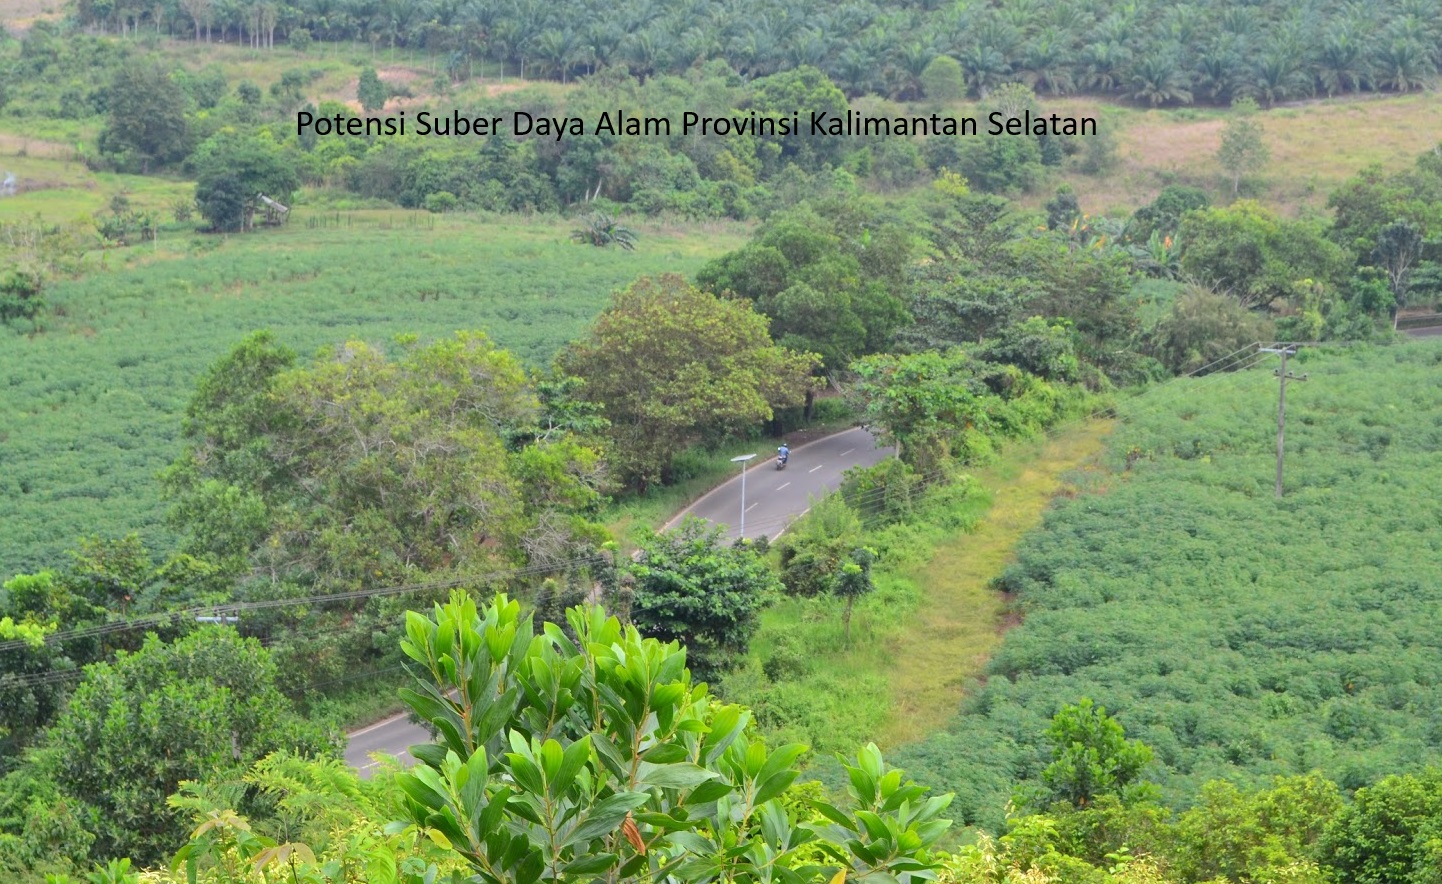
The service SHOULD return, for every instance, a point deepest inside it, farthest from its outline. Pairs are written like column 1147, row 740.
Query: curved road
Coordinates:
column 773, row 499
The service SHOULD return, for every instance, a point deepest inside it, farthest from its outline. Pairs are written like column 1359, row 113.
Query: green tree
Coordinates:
column 1203, row 326
column 233, row 169
column 22, row 294
column 1399, row 246
column 563, row 758
column 1389, row 833
column 134, row 729
column 828, row 289
column 1091, row 755
column 1243, row 151
column 692, row 588
column 943, row 81
column 671, row 364
column 371, row 92
column 146, row 124
column 1247, row 252
column 1258, row 835
column 360, row 467
column 815, row 546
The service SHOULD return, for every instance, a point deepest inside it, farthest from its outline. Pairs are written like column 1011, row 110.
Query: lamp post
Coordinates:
column 742, row 460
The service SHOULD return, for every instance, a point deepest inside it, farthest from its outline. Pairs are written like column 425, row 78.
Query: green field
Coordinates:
column 90, row 409
column 1239, row 636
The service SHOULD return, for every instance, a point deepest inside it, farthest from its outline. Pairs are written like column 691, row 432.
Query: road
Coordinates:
column 773, row 499
column 394, row 736
column 1430, row 331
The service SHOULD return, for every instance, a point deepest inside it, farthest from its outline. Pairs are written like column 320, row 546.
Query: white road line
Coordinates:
column 813, row 469
column 382, row 723
column 779, row 487
column 751, row 507
column 846, row 452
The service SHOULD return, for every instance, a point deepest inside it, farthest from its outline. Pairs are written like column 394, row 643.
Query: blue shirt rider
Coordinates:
column 784, row 452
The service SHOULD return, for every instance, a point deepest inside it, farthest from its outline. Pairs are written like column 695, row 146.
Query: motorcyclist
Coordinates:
column 783, row 452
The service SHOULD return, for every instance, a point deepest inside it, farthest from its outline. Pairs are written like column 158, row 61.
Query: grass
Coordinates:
column 90, row 408
column 1315, row 146
column 961, row 618
column 929, row 626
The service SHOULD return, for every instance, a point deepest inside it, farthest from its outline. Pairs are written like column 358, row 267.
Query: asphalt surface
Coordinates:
column 773, row 499
column 394, row 736
column 1430, row 331
column 776, row 497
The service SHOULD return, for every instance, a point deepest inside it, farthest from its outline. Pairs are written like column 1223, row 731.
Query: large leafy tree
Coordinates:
column 1247, row 252
column 146, row 126
column 692, row 588
column 136, row 728
column 1091, row 755
column 829, row 280
column 1399, row 246
column 672, row 364
column 361, row 467
column 233, row 169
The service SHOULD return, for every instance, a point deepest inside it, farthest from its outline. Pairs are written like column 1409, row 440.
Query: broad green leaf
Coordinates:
column 682, row 775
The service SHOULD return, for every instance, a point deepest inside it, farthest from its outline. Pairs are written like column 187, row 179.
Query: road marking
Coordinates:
column 382, row 723
column 751, row 507
column 813, row 469
column 782, row 486
column 847, row 451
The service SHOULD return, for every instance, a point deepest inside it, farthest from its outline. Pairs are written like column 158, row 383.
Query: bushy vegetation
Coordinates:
column 1186, row 588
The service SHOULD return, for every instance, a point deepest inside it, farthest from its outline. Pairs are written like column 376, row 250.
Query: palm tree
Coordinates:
column 1341, row 64
column 1102, row 65
column 601, row 230
column 1046, row 61
column 1278, row 76
column 1401, row 64
column 1159, row 78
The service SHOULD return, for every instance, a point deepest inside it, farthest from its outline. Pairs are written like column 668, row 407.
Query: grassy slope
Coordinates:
column 962, row 617
column 90, row 410
column 930, row 624
column 1315, row 146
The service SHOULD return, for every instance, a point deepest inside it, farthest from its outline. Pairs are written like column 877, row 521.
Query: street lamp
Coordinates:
column 742, row 460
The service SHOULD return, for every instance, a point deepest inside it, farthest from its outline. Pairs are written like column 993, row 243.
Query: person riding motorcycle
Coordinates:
column 782, row 455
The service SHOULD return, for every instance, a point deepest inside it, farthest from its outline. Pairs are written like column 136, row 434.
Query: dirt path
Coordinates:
column 962, row 619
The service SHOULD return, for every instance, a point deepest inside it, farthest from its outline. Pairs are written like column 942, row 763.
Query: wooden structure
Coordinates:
column 275, row 213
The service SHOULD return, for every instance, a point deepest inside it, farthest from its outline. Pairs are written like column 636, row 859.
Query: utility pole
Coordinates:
column 1283, row 376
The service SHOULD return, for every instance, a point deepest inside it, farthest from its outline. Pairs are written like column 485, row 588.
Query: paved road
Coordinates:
column 773, row 499
column 1430, row 331
column 394, row 736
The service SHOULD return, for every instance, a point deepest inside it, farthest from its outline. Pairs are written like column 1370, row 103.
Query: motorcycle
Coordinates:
column 781, row 461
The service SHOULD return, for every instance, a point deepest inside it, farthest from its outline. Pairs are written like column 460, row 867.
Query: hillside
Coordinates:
column 92, row 406
column 1240, row 636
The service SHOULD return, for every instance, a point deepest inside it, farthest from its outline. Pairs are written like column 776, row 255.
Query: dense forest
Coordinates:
column 260, row 467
